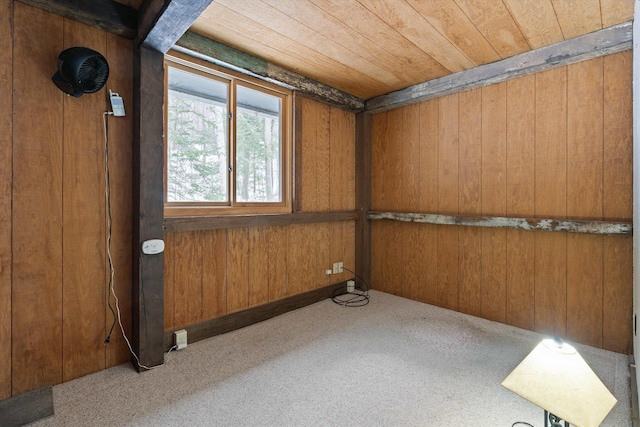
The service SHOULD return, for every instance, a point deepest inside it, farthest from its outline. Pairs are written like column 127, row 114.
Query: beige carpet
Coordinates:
column 394, row 362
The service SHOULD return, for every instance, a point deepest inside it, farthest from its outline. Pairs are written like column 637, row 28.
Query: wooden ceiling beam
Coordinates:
column 217, row 53
column 598, row 43
column 104, row 14
column 162, row 22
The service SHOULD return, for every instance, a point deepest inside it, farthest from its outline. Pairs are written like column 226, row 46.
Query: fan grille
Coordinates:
column 93, row 74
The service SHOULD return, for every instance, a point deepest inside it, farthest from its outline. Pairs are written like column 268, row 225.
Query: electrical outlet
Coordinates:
column 338, row 267
column 180, row 339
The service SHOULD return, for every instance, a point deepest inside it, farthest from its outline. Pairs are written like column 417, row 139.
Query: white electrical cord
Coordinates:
column 107, row 194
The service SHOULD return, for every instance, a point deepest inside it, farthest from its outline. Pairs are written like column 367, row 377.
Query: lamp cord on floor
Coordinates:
column 357, row 298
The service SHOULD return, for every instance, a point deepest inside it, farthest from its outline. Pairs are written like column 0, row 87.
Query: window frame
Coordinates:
column 233, row 79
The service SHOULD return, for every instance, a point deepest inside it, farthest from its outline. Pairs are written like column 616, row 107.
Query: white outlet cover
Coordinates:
column 153, row 246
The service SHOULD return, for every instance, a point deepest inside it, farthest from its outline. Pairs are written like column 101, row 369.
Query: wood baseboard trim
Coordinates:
column 231, row 322
column 27, row 408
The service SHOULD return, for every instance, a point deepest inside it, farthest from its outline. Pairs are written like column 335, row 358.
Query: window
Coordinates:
column 227, row 143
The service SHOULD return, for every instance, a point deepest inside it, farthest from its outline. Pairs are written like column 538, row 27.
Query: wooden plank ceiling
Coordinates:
column 372, row 47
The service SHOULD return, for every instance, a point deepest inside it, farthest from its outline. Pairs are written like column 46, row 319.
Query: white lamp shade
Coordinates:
column 560, row 381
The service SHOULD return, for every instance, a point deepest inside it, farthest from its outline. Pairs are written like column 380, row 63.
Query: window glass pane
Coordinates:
column 258, row 147
column 197, row 159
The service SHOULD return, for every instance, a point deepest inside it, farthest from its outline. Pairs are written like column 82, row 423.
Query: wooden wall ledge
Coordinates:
column 570, row 226
column 188, row 223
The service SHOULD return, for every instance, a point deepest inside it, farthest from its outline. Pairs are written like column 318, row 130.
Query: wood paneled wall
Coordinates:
column 211, row 273
column 557, row 144
column 56, row 271
column 6, row 172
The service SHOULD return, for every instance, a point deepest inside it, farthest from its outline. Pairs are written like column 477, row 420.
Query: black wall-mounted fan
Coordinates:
column 81, row 70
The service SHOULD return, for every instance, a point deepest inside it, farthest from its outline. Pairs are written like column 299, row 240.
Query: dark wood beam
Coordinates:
column 599, row 43
column 187, row 223
column 217, row 53
column 162, row 22
column 148, row 206
column 540, row 224
column 27, row 408
column 363, row 195
column 241, row 319
column 104, row 14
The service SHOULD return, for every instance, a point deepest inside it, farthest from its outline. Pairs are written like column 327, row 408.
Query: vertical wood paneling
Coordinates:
column 324, row 259
column 494, row 164
column 349, row 139
column 309, row 178
column 378, row 251
column 585, row 200
column 278, row 262
column 83, row 267
column 428, row 178
column 379, row 129
column 392, row 183
column 258, row 265
column 448, row 201
column 470, row 200
column 617, row 301
column 237, row 269
column 550, row 201
column 214, row 273
column 327, row 126
column 342, row 159
column 322, row 156
column 584, row 289
column 119, row 54
column 37, row 202
column 301, row 258
column 618, row 190
column 412, row 274
column 618, row 129
column 342, row 233
column 336, row 249
column 349, row 248
column 188, row 278
column 378, row 168
column 392, row 187
column 546, row 146
column 520, row 200
column 6, row 174
column 169, row 281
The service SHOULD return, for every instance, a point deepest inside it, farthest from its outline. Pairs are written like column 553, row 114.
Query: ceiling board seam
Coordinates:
column 524, row 36
column 442, row 34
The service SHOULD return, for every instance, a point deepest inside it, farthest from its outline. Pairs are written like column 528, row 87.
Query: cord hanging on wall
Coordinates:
column 81, row 70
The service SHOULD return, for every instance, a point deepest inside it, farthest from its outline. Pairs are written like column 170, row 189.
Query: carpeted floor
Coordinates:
column 394, row 362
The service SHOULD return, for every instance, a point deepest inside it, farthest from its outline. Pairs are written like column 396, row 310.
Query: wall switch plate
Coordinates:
column 153, row 246
column 327, row 271
column 180, row 339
